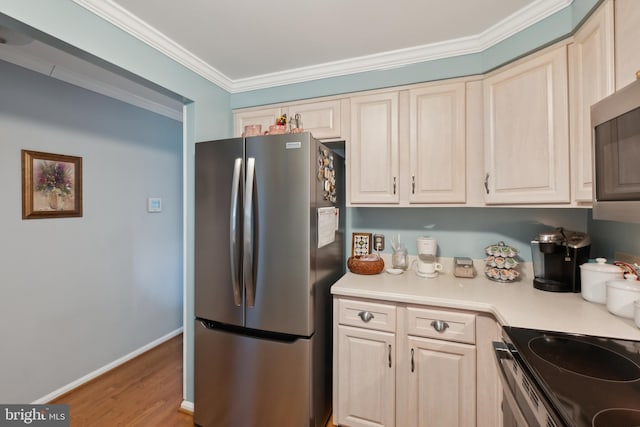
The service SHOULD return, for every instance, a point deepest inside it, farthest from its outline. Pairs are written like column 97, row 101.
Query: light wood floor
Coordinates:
column 146, row 391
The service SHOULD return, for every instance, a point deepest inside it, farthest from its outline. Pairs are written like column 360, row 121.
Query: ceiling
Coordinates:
column 252, row 44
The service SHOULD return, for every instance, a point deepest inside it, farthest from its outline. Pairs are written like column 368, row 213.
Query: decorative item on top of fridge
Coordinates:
column 501, row 263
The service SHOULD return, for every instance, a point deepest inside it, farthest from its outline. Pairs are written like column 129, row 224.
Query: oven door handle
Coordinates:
column 502, row 354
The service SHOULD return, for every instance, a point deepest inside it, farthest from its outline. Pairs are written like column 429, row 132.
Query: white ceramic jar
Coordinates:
column 636, row 312
column 594, row 277
column 622, row 294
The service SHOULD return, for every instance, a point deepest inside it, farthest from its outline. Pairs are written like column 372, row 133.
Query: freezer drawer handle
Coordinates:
column 366, row 316
column 439, row 325
column 233, row 233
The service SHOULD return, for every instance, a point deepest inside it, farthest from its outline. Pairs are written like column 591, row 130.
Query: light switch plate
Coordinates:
column 154, row 204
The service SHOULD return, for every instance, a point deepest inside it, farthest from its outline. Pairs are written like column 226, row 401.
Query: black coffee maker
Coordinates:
column 557, row 256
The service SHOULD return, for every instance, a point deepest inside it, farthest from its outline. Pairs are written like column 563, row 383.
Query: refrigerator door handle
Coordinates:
column 249, row 280
column 233, row 233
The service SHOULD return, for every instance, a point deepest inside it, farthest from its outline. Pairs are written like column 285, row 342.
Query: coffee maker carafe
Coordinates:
column 557, row 256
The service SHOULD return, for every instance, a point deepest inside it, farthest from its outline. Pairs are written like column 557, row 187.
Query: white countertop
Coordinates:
column 514, row 304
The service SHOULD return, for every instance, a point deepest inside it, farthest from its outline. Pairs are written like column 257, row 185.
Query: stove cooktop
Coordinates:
column 591, row 381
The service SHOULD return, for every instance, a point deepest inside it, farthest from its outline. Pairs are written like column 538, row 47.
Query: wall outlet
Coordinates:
column 378, row 242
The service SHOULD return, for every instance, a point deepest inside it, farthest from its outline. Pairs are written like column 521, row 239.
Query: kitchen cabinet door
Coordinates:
column 527, row 132
column 372, row 154
column 627, row 34
column 591, row 78
column 441, row 383
column 437, row 144
column 366, row 378
column 323, row 119
column 264, row 116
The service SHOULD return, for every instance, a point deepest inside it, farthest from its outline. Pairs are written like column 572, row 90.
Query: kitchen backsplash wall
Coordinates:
column 467, row 231
column 611, row 236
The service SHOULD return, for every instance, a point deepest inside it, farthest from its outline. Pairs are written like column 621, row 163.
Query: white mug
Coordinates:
column 429, row 268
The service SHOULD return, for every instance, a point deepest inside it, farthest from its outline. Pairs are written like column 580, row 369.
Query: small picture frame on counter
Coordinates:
column 361, row 244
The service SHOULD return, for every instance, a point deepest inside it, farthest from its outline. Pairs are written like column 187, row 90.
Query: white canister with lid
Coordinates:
column 622, row 294
column 594, row 277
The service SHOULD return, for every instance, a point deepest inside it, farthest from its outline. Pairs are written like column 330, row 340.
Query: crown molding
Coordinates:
column 504, row 29
column 121, row 18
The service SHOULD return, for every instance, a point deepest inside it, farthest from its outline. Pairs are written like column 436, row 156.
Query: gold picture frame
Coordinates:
column 51, row 185
column 361, row 244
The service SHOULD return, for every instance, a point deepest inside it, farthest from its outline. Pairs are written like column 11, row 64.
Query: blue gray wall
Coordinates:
column 79, row 293
column 465, row 231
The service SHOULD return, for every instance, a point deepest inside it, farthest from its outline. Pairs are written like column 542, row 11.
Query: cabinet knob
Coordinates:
column 366, row 316
column 439, row 325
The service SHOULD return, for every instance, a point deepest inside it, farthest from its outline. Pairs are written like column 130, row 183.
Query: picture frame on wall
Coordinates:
column 360, row 244
column 51, row 185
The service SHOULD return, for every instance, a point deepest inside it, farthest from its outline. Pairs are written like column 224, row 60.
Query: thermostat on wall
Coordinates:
column 154, row 204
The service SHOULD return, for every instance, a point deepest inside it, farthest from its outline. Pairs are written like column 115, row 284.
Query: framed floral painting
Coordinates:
column 51, row 185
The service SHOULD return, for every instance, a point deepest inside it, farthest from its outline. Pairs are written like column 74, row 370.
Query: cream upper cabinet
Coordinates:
column 324, row 119
column 591, row 78
column 437, row 144
column 372, row 152
column 627, row 35
column 527, row 131
column 264, row 117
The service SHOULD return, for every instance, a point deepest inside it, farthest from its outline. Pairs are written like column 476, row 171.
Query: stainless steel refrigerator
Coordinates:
column 266, row 255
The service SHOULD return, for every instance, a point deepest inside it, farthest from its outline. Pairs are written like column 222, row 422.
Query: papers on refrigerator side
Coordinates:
column 328, row 221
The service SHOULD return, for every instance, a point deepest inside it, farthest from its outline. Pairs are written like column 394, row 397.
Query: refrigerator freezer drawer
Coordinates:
column 246, row 381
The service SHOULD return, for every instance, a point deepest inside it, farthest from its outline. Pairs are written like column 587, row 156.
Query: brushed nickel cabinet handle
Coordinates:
column 413, row 184
column 389, row 355
column 486, row 183
column 439, row 325
column 366, row 316
column 413, row 365
column 394, row 185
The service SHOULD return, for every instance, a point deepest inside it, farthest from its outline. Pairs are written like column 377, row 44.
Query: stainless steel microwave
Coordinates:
column 615, row 123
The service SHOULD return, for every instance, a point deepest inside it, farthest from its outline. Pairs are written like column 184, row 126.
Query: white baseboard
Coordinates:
column 106, row 368
column 187, row 406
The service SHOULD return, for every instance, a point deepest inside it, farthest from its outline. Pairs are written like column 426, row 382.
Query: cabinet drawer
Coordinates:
column 367, row 314
column 446, row 325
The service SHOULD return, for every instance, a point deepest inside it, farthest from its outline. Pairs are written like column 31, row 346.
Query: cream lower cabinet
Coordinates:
column 364, row 374
column 423, row 372
column 441, row 384
column 367, row 380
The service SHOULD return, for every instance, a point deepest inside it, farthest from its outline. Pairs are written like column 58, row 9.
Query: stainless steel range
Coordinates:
column 555, row 379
